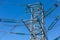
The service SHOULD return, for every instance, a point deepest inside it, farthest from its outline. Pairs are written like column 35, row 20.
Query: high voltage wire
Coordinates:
column 7, row 32
column 10, row 32
column 16, row 21
column 14, row 33
column 9, row 20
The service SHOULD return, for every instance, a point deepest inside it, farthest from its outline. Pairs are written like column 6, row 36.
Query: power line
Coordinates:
column 36, row 24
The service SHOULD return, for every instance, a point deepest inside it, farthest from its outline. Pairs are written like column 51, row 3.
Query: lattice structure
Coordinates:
column 36, row 24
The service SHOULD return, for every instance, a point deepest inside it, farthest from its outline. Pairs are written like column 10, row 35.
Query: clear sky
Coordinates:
column 15, row 9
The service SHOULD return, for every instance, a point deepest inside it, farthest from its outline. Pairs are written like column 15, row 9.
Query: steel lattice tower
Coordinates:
column 36, row 24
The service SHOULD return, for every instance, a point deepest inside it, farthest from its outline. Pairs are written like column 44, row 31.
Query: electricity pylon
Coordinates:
column 36, row 24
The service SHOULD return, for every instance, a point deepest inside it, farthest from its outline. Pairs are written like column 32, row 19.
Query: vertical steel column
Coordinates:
column 44, row 33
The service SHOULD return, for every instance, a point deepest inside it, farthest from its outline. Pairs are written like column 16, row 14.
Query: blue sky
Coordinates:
column 15, row 9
